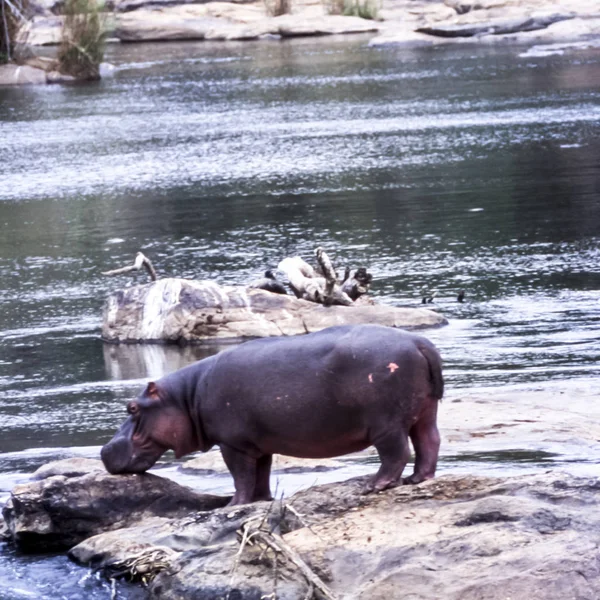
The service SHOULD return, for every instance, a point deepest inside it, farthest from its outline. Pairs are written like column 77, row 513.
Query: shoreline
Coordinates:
column 566, row 25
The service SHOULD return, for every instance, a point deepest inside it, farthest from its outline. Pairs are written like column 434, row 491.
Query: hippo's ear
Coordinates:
column 152, row 391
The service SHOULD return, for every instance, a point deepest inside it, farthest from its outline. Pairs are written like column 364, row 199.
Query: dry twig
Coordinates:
column 328, row 272
column 252, row 531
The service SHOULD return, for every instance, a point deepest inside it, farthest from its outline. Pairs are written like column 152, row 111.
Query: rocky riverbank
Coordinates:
column 411, row 23
column 460, row 536
column 463, row 537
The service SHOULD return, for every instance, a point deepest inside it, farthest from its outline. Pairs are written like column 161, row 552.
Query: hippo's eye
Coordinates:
column 133, row 408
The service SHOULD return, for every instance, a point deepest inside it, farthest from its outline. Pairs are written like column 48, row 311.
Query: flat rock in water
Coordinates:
column 181, row 310
column 495, row 26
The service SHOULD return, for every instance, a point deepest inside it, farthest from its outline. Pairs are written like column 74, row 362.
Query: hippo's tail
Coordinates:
column 430, row 352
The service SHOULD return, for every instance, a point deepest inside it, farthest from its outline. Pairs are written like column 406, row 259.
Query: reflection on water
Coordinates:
column 152, row 361
column 450, row 169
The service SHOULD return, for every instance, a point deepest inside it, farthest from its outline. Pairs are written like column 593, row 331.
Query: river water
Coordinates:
column 462, row 168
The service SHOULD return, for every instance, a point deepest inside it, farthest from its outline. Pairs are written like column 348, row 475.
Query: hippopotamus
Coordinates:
column 319, row 395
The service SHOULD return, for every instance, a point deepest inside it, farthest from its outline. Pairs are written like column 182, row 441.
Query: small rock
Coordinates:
column 21, row 75
column 69, row 467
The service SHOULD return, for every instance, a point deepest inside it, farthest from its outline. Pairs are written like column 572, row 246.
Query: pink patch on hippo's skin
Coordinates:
column 370, row 377
column 392, row 367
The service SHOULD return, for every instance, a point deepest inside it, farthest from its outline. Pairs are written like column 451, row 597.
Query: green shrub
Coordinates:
column 81, row 48
column 366, row 9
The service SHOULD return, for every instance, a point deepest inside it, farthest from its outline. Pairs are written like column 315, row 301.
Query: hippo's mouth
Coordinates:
column 120, row 456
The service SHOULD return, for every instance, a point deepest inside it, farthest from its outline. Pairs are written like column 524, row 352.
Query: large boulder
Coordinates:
column 181, row 310
column 69, row 501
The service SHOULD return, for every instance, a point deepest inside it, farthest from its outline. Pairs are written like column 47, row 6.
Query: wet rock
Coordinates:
column 58, row 77
column 180, row 310
column 59, row 511
column 21, row 75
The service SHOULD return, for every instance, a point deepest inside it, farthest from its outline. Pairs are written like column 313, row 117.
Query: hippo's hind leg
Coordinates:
column 425, row 439
column 243, row 468
column 394, row 454
column 262, row 490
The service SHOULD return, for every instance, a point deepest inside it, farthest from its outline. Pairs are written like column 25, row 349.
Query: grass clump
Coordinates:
column 81, row 48
column 276, row 8
column 365, row 9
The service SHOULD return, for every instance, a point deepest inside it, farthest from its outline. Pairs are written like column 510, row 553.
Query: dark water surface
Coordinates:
column 447, row 169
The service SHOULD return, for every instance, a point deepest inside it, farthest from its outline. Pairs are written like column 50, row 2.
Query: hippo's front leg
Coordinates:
column 243, row 468
column 262, row 491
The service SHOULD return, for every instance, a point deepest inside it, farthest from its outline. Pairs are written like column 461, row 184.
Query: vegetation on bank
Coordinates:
column 82, row 45
column 365, row 9
column 276, row 8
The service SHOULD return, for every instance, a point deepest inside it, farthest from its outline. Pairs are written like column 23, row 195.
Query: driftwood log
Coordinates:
column 325, row 289
column 304, row 281
column 141, row 262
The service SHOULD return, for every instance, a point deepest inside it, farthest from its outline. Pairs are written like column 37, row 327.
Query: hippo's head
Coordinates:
column 154, row 426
